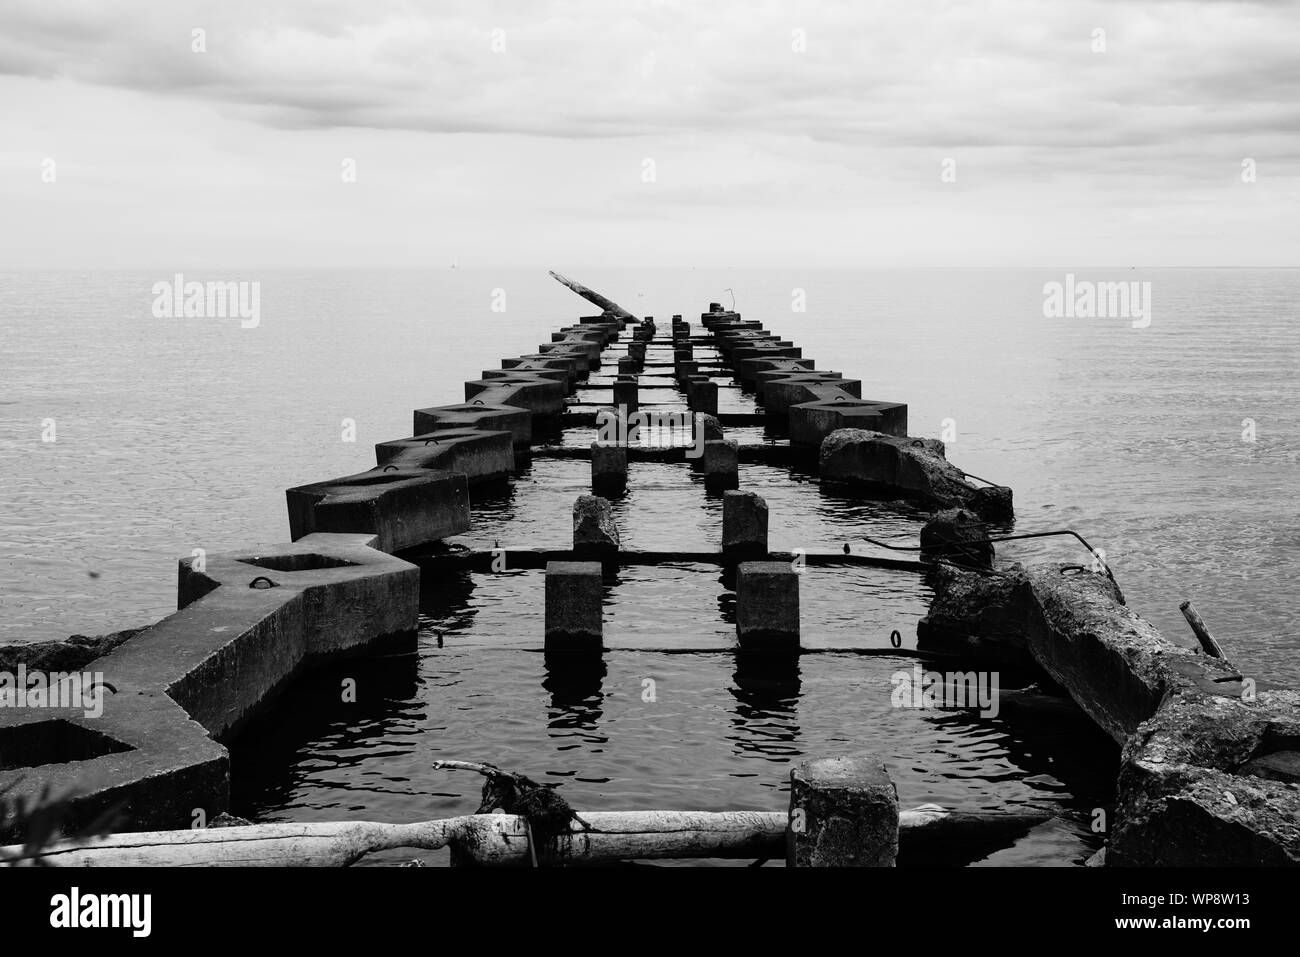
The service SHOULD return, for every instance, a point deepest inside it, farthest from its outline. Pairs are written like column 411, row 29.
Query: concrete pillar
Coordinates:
column 573, row 606
column 608, row 468
column 744, row 524
column 627, row 365
column 594, row 533
column 686, row 369
column 843, row 813
column 767, row 606
column 636, row 350
column 625, row 393
column 702, row 394
column 721, row 464
column 683, row 350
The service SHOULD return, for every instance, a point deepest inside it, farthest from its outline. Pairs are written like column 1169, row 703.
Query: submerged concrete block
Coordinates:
column 594, row 533
column 811, row 422
column 608, row 468
column 767, row 606
column 402, row 508
column 574, row 612
column 843, row 813
column 481, row 455
column 744, row 524
column 475, row 415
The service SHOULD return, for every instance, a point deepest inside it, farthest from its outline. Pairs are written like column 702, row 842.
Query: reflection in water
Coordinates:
column 575, row 683
column 766, row 690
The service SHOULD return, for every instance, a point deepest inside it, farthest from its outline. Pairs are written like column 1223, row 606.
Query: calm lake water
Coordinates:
column 1173, row 447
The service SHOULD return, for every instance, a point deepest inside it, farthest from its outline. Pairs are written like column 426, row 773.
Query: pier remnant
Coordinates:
column 481, row 455
column 744, row 524
column 811, row 422
column 625, row 393
column 843, row 813
column 477, row 415
column 721, row 464
column 608, row 305
column 910, row 468
column 702, row 394
column 594, row 533
column 959, row 536
column 401, row 507
column 608, row 468
column 767, row 606
column 574, row 617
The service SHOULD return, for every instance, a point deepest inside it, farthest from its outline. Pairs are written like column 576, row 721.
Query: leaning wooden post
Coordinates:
column 1202, row 633
column 843, row 813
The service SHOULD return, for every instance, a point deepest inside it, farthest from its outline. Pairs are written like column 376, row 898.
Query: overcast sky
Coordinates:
column 804, row 134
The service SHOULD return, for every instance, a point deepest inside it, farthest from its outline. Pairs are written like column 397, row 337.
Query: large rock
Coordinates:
column 913, row 468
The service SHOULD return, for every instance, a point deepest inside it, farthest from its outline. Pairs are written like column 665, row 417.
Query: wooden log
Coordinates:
column 495, row 839
column 1203, row 635
column 593, row 297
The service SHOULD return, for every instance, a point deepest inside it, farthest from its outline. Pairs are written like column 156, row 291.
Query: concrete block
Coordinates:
column 959, row 536
column 781, row 392
column 608, row 468
column 744, row 524
column 625, row 393
column 402, row 507
column 574, row 600
column 198, row 676
column 721, row 464
column 813, row 421
column 534, row 392
column 767, row 606
column 594, row 533
column 474, row 415
column 481, row 455
column 628, row 366
column 847, row 809
column 702, row 395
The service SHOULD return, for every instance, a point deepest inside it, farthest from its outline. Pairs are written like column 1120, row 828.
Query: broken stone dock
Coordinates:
column 1210, row 770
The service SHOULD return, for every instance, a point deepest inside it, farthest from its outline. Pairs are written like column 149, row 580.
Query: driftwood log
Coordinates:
column 593, row 297
column 501, row 839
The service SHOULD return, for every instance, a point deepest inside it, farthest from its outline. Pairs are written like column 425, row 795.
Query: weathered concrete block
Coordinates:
column 636, row 350
column 721, row 463
column 843, row 813
column 686, row 369
column 781, row 392
column 767, row 606
column 702, row 395
column 202, row 673
column 531, row 391
column 628, row 366
column 747, row 370
column 401, row 507
column 574, row 606
column 959, row 536
column 625, row 393
column 608, row 468
column 1190, row 791
column 908, row 468
column 482, row 456
column 473, row 415
column 594, row 533
column 536, row 368
column 710, row 426
column 811, row 422
column 744, row 524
